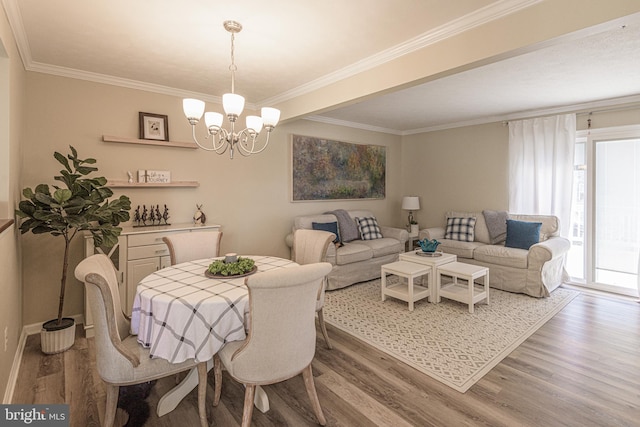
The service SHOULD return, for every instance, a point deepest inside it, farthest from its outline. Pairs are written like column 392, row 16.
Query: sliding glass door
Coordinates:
column 605, row 229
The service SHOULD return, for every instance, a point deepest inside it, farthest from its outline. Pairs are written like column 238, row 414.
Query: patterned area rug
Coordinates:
column 442, row 340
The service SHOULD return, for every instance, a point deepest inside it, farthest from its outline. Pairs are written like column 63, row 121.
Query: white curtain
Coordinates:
column 541, row 158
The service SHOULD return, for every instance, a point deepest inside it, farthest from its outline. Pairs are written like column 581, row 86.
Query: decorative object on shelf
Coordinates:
column 428, row 245
column 411, row 203
column 142, row 176
column 82, row 206
column 151, row 216
column 130, row 175
column 199, row 218
column 154, row 126
column 233, row 104
column 158, row 177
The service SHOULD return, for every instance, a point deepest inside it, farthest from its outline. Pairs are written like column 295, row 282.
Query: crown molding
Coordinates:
column 472, row 20
column 345, row 123
column 600, row 106
column 464, row 23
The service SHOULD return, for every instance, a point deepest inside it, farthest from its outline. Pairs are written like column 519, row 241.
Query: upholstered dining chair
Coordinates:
column 310, row 246
column 193, row 245
column 120, row 359
column 282, row 334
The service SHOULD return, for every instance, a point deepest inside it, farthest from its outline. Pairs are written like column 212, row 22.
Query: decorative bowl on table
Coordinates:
column 428, row 245
column 221, row 269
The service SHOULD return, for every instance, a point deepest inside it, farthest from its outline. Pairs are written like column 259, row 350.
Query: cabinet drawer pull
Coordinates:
column 160, row 251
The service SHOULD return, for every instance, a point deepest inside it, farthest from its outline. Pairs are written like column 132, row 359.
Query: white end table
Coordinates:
column 432, row 262
column 467, row 293
column 408, row 292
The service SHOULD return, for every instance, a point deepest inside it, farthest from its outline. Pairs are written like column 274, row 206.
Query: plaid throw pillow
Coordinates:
column 369, row 229
column 460, row 229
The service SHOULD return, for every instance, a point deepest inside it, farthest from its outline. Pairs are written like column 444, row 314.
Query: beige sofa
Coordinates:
column 357, row 260
column 536, row 271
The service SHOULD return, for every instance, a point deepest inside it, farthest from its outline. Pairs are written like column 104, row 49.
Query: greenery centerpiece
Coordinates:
column 222, row 268
column 81, row 205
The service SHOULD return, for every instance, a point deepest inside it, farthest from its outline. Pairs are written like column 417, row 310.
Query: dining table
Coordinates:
column 181, row 312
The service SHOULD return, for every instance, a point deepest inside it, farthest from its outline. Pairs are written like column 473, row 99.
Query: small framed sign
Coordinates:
column 154, row 126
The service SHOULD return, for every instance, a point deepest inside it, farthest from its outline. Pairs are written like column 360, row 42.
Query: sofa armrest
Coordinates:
column 547, row 250
column 399, row 234
column 289, row 240
column 431, row 233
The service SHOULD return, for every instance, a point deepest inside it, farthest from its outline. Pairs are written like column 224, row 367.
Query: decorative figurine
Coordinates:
column 152, row 215
column 199, row 218
column 165, row 215
column 130, row 175
column 144, row 215
column 136, row 216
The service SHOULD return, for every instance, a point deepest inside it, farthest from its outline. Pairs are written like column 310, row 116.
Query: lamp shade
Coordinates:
column 193, row 108
column 410, row 203
column 233, row 104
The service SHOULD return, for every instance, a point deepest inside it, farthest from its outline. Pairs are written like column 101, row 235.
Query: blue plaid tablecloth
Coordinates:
column 179, row 313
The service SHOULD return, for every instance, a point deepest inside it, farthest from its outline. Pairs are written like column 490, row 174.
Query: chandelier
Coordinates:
column 245, row 141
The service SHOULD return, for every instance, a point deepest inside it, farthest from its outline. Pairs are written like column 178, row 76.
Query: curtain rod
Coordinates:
column 586, row 112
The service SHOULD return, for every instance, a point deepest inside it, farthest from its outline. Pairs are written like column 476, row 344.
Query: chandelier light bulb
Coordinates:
column 254, row 123
column 213, row 119
column 193, row 108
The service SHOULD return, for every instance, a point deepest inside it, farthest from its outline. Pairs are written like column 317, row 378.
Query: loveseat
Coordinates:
column 535, row 271
column 354, row 259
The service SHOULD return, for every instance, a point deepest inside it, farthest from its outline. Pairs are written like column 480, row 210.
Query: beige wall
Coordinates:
column 466, row 168
column 456, row 169
column 248, row 196
column 10, row 272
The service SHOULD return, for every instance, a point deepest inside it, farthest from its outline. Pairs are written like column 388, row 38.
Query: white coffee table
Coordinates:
column 468, row 292
column 408, row 292
column 432, row 262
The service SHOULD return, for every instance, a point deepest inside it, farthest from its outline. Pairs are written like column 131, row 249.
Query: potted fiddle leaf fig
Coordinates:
column 81, row 204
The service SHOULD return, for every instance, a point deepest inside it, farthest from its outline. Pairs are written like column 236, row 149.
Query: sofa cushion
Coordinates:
column 550, row 224
column 481, row 233
column 522, row 234
column 383, row 246
column 461, row 229
column 331, row 227
column 456, row 247
column 369, row 229
column 353, row 251
column 501, row 255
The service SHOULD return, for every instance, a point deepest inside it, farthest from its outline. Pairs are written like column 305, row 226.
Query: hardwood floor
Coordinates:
column 580, row 369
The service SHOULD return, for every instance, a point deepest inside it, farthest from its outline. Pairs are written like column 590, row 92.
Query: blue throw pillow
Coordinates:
column 331, row 227
column 522, row 234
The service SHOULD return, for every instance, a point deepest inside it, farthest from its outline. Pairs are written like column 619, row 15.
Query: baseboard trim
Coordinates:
column 15, row 368
column 17, row 358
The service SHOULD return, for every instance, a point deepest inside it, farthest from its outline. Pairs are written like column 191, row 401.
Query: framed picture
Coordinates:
column 154, row 126
column 323, row 169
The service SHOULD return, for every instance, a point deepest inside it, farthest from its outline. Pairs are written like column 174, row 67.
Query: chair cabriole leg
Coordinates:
column 307, row 375
column 323, row 327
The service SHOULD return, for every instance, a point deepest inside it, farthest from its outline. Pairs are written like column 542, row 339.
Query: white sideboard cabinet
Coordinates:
column 139, row 252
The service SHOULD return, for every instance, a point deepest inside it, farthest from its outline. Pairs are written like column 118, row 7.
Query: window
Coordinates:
column 605, row 217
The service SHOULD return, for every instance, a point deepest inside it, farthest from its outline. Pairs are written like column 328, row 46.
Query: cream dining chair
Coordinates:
column 193, row 245
column 119, row 358
column 310, row 246
column 282, row 334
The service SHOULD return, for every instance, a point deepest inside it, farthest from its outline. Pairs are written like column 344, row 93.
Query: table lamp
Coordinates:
column 411, row 203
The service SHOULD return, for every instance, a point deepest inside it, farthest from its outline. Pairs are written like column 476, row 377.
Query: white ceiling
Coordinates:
column 290, row 46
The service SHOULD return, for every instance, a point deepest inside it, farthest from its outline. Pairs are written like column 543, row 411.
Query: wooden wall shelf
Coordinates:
column 110, row 138
column 176, row 184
